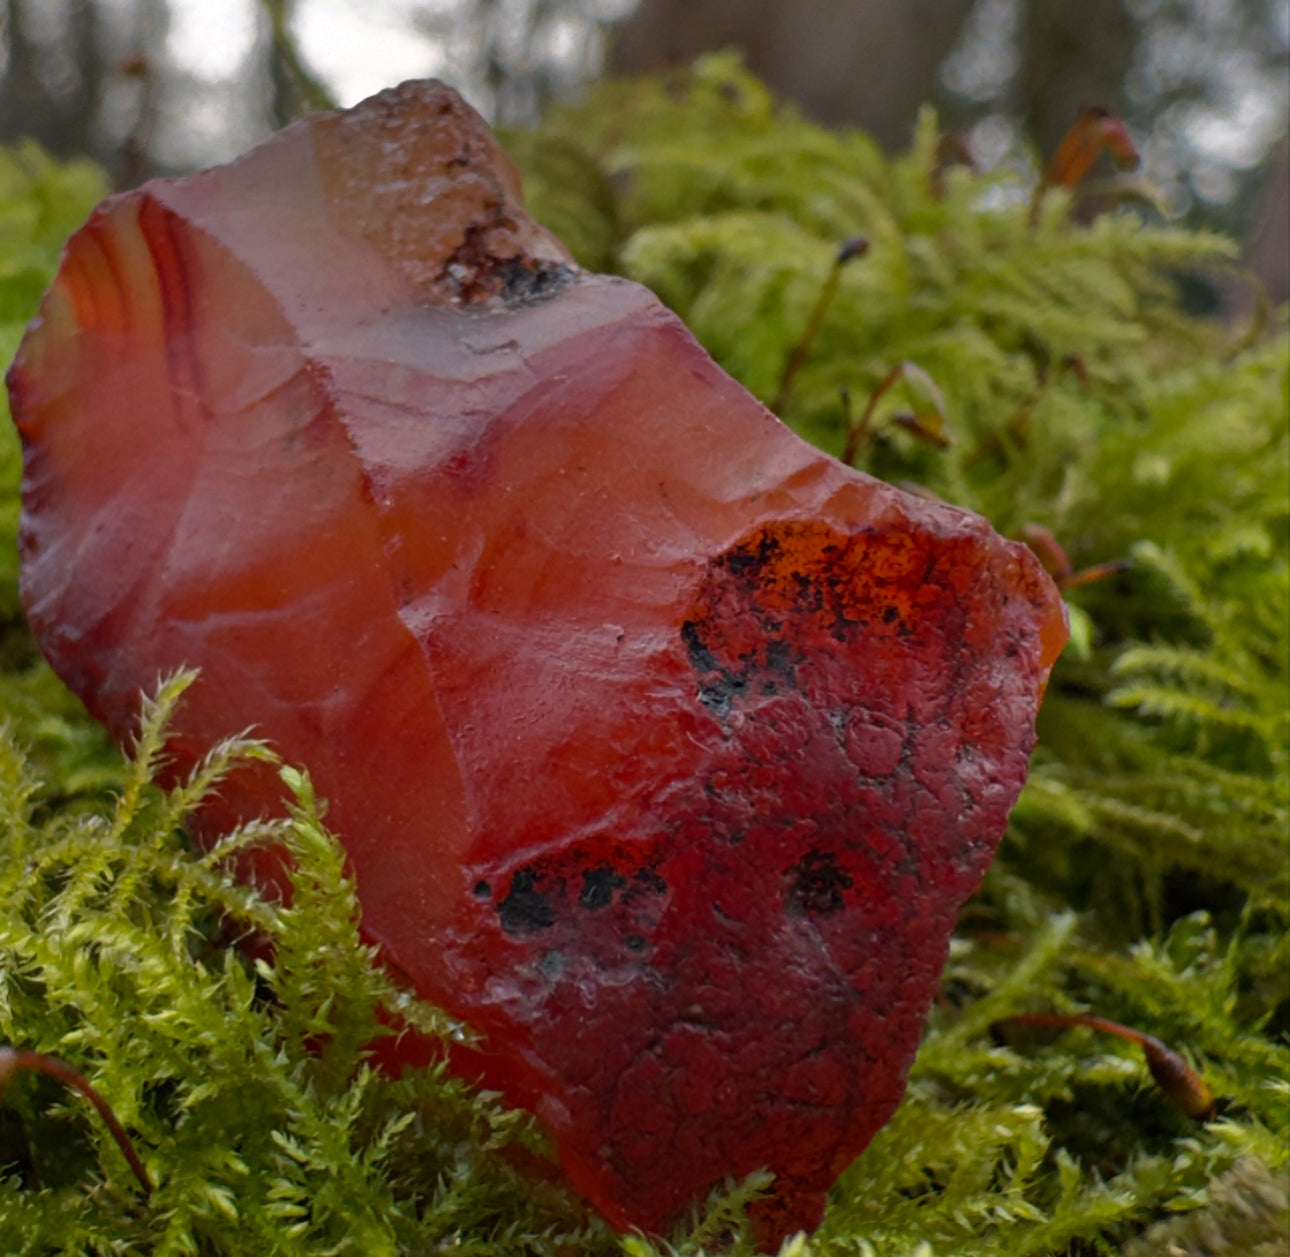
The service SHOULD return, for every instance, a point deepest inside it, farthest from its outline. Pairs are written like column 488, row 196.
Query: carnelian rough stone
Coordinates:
column 664, row 746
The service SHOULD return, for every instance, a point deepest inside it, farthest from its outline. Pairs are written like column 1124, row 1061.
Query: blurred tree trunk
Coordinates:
column 1071, row 55
column 1267, row 250
column 870, row 63
column 51, row 92
column 294, row 89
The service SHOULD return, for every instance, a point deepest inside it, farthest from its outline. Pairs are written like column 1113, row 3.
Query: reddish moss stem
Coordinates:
column 1180, row 1083
column 14, row 1059
column 1095, row 131
column 856, row 247
column 1056, row 563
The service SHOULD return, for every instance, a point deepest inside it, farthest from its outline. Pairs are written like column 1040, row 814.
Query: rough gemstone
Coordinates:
column 664, row 746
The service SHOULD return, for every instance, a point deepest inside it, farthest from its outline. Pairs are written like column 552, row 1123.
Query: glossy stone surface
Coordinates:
column 665, row 747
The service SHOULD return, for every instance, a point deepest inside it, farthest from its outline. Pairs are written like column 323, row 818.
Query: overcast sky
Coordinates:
column 357, row 49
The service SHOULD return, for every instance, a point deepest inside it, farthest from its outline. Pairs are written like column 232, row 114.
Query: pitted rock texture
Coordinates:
column 665, row 747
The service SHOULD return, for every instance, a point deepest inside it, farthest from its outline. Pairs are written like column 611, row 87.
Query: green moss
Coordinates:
column 242, row 1079
column 1144, row 876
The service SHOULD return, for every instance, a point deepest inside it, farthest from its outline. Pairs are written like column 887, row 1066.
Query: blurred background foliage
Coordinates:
column 1044, row 360
column 153, row 85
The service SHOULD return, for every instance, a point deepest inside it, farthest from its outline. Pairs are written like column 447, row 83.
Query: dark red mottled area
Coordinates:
column 664, row 747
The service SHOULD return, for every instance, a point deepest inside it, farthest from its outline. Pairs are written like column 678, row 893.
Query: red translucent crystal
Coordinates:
column 665, row 747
